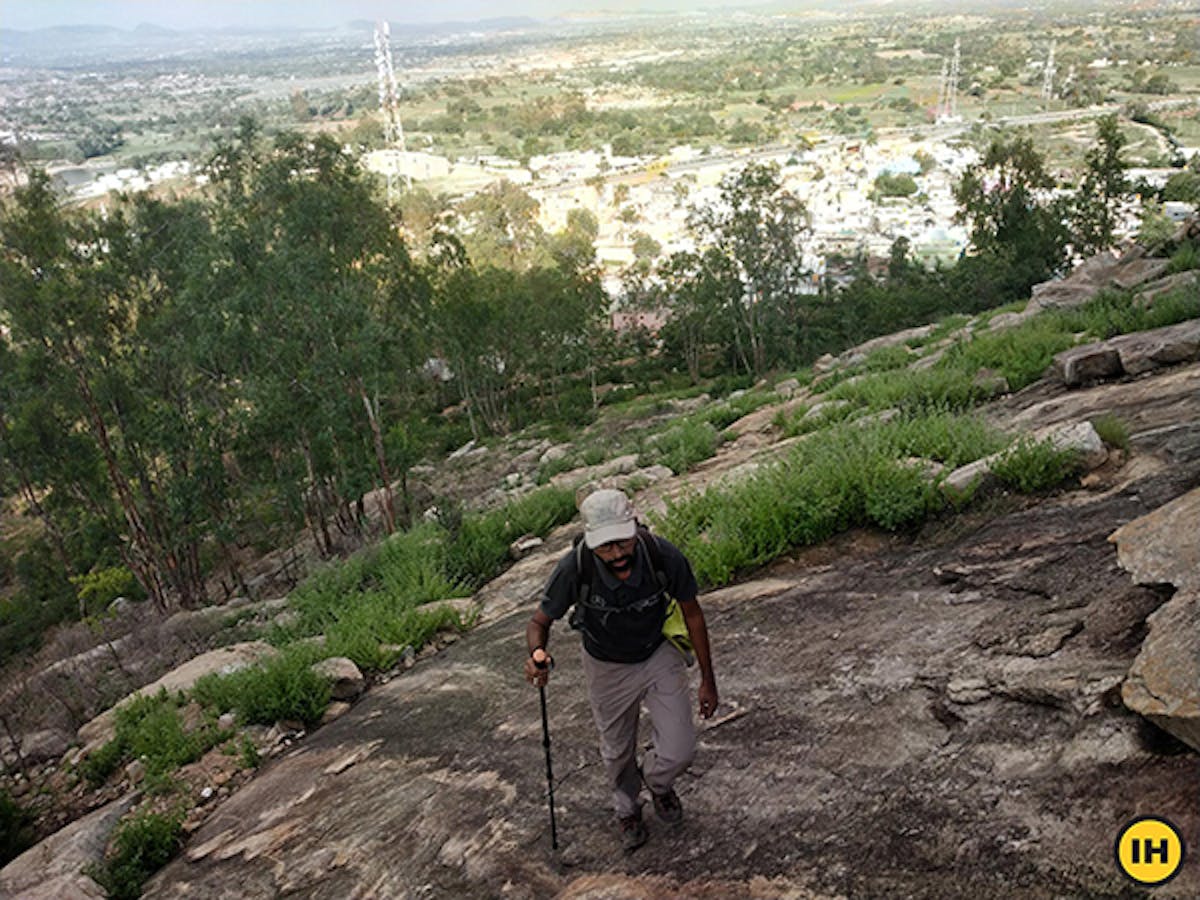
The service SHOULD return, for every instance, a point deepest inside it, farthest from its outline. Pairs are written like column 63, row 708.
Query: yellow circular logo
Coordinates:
column 1150, row 850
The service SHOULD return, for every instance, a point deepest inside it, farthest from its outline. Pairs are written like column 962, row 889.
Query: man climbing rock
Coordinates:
column 617, row 582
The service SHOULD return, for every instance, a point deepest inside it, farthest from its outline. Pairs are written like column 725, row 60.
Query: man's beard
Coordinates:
column 621, row 564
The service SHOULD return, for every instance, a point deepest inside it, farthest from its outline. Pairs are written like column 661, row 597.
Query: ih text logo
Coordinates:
column 1150, row 851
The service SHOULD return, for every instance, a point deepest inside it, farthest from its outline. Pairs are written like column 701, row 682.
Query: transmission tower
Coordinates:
column 952, row 85
column 947, row 108
column 1048, row 76
column 389, row 101
column 943, row 84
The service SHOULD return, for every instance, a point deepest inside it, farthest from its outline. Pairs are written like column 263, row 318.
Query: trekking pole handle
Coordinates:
column 542, row 659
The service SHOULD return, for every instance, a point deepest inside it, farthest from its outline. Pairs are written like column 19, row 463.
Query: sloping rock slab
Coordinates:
column 54, row 867
column 1163, row 286
column 842, row 761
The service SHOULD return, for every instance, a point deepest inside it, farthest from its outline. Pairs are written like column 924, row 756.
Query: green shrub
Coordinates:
column 1184, row 259
column 371, row 622
column 142, row 845
column 913, row 391
column 151, row 728
column 841, row 477
column 1113, row 431
column 372, row 600
column 721, row 415
column 1022, row 354
column 896, row 495
column 683, row 445
column 1114, row 312
column 102, row 762
column 283, row 687
column 478, row 549
column 887, row 358
column 100, row 587
column 249, row 755
column 16, row 829
column 1031, row 466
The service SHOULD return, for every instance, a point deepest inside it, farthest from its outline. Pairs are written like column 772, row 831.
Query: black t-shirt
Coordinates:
column 622, row 620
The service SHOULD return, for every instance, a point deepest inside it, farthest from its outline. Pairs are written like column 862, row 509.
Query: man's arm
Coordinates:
column 693, row 617
column 537, row 634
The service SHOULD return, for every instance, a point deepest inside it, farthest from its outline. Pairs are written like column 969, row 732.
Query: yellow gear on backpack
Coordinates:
column 675, row 630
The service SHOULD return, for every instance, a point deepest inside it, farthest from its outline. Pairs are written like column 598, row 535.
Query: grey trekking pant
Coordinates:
column 616, row 692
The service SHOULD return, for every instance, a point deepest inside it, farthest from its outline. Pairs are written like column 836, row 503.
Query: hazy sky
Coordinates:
column 301, row 13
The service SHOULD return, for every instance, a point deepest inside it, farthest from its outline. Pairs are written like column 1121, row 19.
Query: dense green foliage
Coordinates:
column 184, row 378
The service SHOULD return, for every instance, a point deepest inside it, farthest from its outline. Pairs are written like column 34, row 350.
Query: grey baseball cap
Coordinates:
column 607, row 516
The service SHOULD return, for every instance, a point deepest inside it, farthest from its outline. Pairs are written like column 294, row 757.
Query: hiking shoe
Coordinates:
column 668, row 808
column 633, row 832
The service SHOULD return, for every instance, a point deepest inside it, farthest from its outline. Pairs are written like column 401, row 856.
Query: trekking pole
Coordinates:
column 541, row 664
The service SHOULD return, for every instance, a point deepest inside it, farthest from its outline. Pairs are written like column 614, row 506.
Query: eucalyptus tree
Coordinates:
column 72, row 313
column 760, row 227
column 697, row 294
column 320, row 305
column 1005, row 199
column 1103, row 186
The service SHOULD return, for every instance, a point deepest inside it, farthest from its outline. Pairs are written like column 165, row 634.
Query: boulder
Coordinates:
column 1164, row 682
column 54, row 868
column 1163, row 547
column 1008, row 320
column 826, row 408
column 346, row 681
column 1080, row 286
column 43, row 746
column 787, row 387
column 554, row 454
column 527, row 460
column 1139, row 271
column 1087, row 364
column 462, row 451
column 524, row 545
column 824, row 363
column 858, row 354
column 990, row 383
column 1078, row 437
column 621, row 465
column 965, row 479
column 1146, row 350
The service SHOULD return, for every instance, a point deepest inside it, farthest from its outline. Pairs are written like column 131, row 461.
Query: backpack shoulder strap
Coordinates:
column 654, row 554
column 585, row 570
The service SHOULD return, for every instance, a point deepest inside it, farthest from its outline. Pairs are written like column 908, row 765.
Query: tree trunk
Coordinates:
column 142, row 558
column 388, row 505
